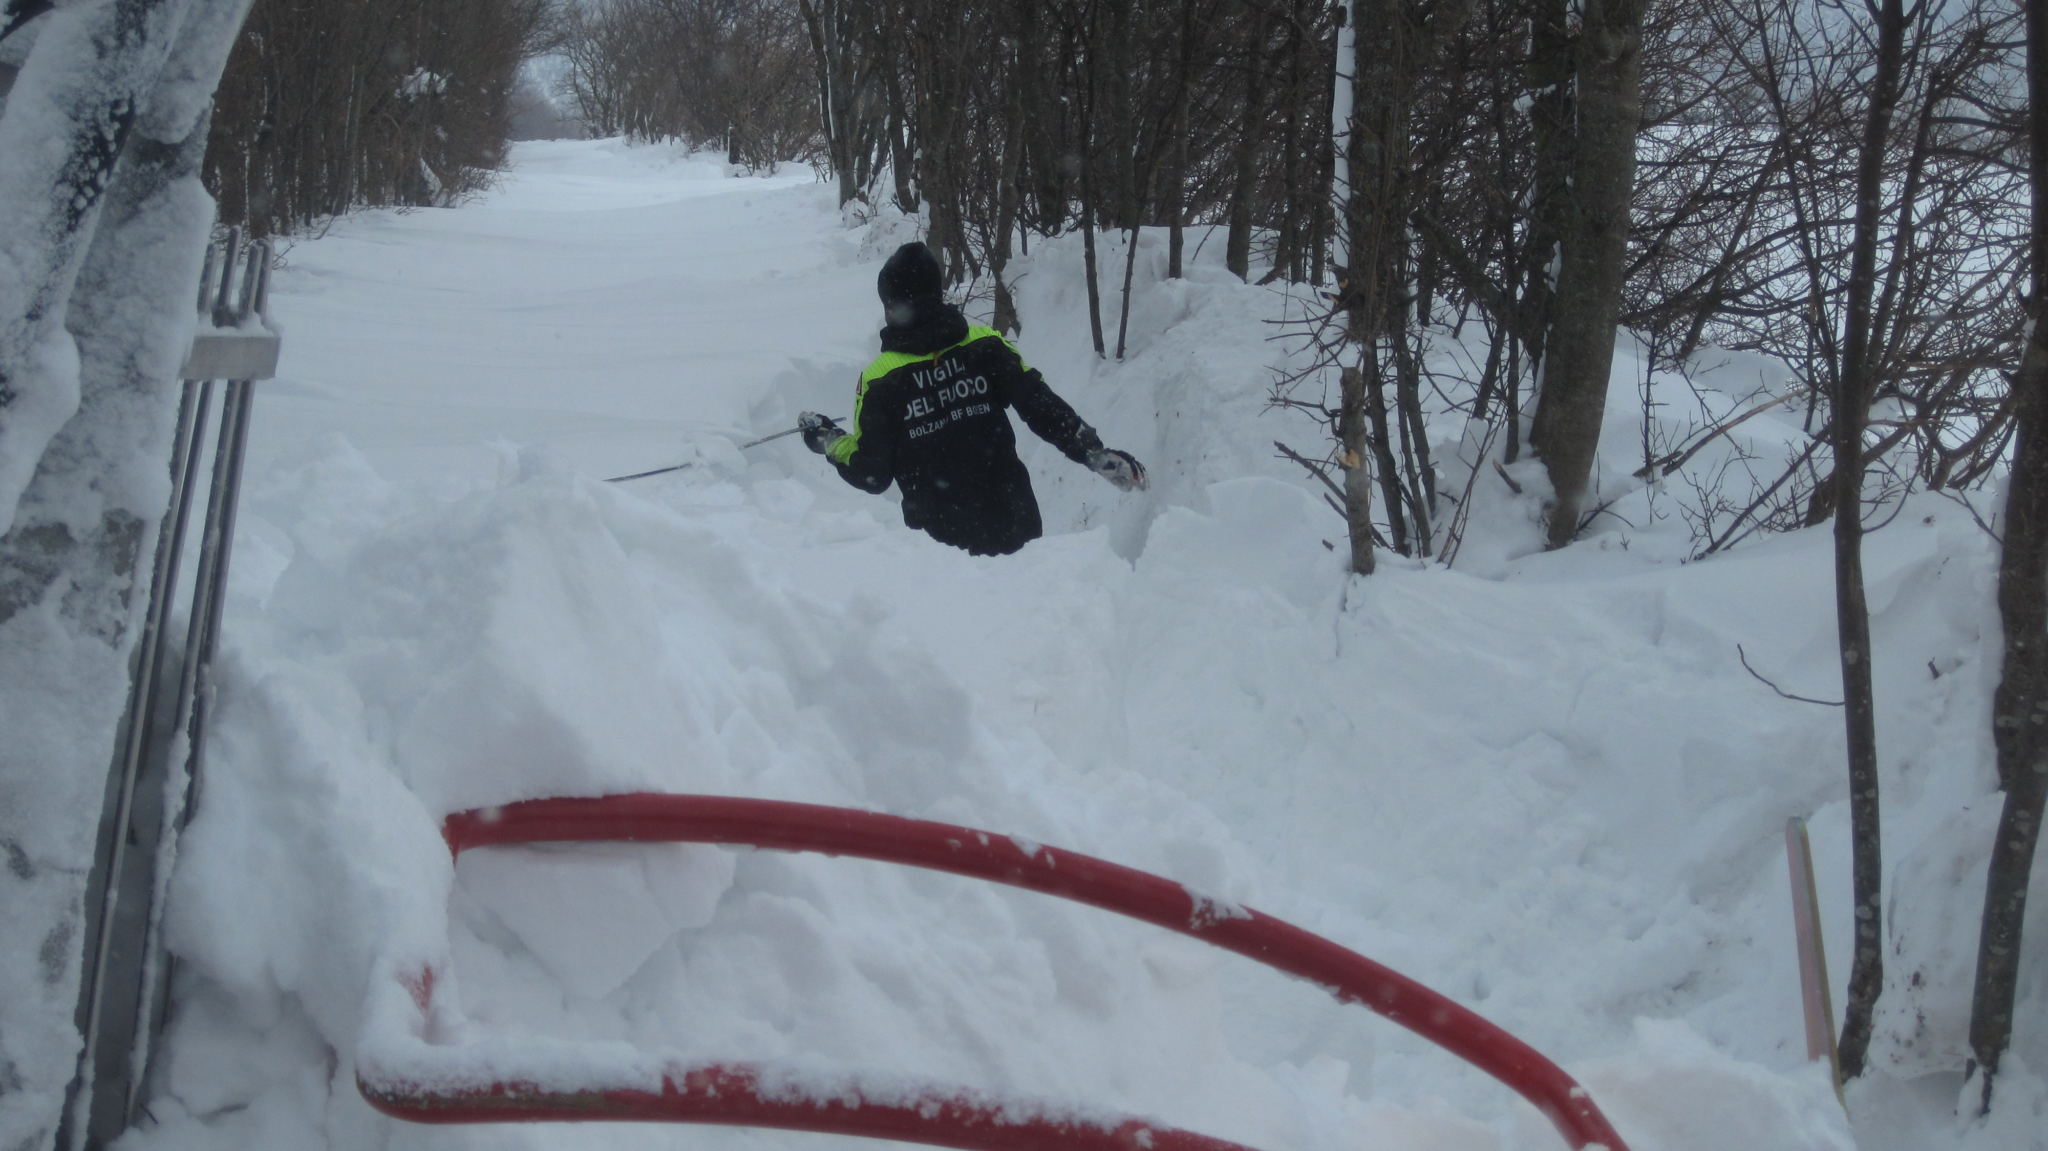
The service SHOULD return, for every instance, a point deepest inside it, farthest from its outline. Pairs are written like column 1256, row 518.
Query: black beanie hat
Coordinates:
column 911, row 277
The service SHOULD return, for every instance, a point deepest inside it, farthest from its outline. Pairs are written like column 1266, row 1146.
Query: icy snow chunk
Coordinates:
column 1923, row 1018
column 592, row 915
column 1676, row 1091
column 535, row 652
column 1259, row 534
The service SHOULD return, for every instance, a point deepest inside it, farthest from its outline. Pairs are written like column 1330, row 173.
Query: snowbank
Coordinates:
column 1545, row 785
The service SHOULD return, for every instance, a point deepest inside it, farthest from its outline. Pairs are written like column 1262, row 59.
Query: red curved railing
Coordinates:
column 779, row 825
column 746, row 1096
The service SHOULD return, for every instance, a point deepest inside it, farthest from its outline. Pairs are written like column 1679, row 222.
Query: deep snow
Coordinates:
column 1542, row 784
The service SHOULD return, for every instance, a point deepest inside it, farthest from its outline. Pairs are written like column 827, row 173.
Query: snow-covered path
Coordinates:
column 609, row 320
column 1552, row 793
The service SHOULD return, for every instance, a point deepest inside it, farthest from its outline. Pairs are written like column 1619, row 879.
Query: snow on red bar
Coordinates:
column 784, row 826
column 740, row 1095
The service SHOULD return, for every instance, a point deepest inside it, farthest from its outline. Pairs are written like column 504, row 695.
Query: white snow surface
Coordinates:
column 1542, row 784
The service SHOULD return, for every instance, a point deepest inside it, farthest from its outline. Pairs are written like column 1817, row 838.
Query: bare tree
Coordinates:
column 1752, row 150
column 328, row 107
column 1606, row 55
column 1244, row 149
column 1849, row 409
column 847, row 57
column 740, row 74
column 2020, row 704
column 1373, row 229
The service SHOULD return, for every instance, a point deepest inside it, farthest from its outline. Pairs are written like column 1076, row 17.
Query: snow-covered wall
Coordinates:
column 102, row 227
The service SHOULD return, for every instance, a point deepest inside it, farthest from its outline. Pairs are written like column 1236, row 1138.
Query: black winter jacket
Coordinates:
column 930, row 415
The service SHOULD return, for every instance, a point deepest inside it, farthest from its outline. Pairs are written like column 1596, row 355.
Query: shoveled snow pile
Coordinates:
column 1545, row 785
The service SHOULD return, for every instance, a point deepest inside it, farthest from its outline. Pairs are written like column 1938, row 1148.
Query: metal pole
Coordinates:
column 195, row 697
column 124, row 981
column 693, row 463
column 122, row 823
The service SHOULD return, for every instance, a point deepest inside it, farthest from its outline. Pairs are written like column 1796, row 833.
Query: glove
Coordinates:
column 1119, row 468
column 819, row 432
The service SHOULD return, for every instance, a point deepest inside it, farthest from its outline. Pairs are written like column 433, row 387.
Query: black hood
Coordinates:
column 912, row 276
column 912, row 285
column 937, row 327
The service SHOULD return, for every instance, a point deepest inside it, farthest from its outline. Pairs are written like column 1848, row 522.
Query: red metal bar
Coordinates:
column 735, row 1095
column 784, row 826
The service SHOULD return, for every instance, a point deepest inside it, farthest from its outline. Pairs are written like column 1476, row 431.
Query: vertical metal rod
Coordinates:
column 181, row 780
column 206, row 274
column 126, row 975
column 228, row 477
column 181, row 788
column 230, row 248
column 111, row 860
column 211, row 541
column 188, row 449
column 262, row 296
column 254, row 272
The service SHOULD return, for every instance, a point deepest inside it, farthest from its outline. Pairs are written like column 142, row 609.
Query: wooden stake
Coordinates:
column 1813, row 960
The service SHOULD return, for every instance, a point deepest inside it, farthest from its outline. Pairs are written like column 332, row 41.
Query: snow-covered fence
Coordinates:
column 154, row 779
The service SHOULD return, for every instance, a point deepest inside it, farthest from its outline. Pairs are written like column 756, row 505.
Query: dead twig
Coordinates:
column 1675, row 460
column 1744, row 657
column 1315, row 468
column 1997, row 537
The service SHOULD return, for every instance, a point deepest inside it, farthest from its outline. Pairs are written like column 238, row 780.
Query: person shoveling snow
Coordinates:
column 930, row 415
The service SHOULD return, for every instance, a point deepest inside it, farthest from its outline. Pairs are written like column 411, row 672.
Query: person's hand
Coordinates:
column 1119, row 468
column 819, row 432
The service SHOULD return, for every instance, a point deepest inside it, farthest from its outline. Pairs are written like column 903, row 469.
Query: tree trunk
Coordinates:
column 1592, row 257
column 1851, row 404
column 1175, row 196
column 1419, row 474
column 1007, row 195
column 2019, row 716
column 1353, row 451
column 1120, row 94
column 2020, row 705
column 901, row 167
column 1085, row 145
column 1551, row 108
column 1372, row 212
column 1353, row 180
column 1287, row 237
column 832, row 59
column 1384, row 463
column 1244, row 152
column 1123, row 311
column 1089, row 262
